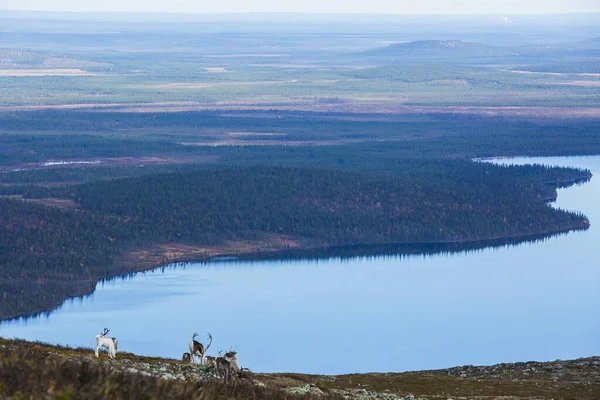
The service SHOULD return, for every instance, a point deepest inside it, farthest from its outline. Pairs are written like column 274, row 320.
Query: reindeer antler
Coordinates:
column 105, row 332
column 230, row 353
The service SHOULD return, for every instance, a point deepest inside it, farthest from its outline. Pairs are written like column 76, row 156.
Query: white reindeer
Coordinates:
column 110, row 344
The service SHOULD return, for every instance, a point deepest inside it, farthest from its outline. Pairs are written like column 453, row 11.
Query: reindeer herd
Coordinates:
column 226, row 363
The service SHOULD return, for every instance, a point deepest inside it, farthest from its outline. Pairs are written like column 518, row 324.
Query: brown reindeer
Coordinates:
column 187, row 358
column 197, row 349
column 228, row 363
column 210, row 361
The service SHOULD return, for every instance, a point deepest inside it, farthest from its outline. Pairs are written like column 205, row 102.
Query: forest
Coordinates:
column 49, row 253
column 401, row 180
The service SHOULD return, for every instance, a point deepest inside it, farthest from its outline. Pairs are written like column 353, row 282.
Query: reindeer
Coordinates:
column 110, row 344
column 197, row 349
column 210, row 361
column 186, row 358
column 228, row 363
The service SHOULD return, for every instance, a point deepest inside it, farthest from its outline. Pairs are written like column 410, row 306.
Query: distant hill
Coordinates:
column 26, row 59
column 437, row 48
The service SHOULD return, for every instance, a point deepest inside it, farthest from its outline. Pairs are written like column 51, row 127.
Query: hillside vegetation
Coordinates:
column 37, row 370
column 26, row 59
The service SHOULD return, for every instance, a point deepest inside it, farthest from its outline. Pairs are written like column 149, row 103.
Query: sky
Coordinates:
column 314, row 6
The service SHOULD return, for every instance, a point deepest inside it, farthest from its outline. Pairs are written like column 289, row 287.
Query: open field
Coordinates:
column 581, row 83
column 49, row 202
column 316, row 72
column 356, row 109
column 169, row 253
column 553, row 73
column 44, row 72
column 107, row 162
column 216, row 69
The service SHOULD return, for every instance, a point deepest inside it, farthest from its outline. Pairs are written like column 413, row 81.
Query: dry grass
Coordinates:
column 241, row 142
column 174, row 252
column 65, row 204
column 580, row 83
column 365, row 108
column 435, row 385
column 549, row 73
column 111, row 162
column 203, row 85
column 256, row 134
column 216, row 69
column 38, row 371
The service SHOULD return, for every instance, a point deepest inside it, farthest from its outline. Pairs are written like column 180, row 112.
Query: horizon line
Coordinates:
column 307, row 13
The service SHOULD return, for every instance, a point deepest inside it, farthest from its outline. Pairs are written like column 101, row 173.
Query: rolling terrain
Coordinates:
column 362, row 132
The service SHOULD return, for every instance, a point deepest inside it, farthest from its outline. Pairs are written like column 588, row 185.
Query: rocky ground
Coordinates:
column 572, row 379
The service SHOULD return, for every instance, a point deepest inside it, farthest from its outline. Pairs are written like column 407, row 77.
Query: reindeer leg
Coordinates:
column 96, row 352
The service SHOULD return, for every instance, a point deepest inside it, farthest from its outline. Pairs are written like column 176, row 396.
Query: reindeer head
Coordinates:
column 105, row 332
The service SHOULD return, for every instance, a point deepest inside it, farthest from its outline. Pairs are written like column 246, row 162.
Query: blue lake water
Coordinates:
column 535, row 301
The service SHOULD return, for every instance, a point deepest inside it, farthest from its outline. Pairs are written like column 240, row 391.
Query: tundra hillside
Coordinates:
column 37, row 370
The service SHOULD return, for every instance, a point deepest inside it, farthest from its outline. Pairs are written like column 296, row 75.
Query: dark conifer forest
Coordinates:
column 320, row 196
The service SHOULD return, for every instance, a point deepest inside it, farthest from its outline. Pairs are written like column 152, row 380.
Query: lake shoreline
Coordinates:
column 272, row 246
column 149, row 259
column 203, row 254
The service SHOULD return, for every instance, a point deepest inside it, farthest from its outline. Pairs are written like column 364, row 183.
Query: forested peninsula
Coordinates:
column 88, row 195
column 49, row 253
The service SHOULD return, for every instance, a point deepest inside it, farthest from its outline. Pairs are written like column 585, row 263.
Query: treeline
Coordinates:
column 330, row 206
column 395, row 145
column 26, row 148
column 569, row 67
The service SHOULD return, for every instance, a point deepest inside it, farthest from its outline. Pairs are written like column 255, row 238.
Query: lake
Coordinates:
column 535, row 301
